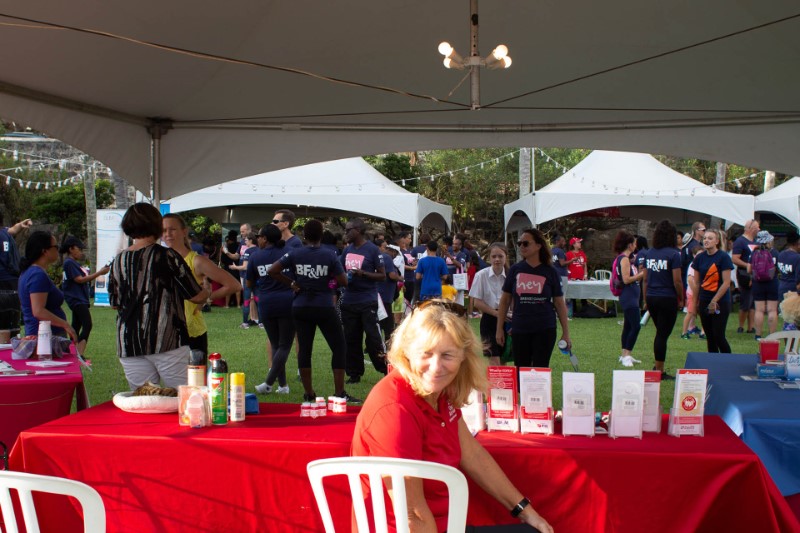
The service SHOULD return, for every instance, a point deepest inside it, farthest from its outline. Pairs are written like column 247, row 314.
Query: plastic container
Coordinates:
column 196, row 410
column 44, row 348
column 768, row 350
column 562, row 346
column 237, row 397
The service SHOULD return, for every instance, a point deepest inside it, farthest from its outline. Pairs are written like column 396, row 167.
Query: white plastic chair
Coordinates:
column 94, row 513
column 397, row 469
column 602, row 275
column 792, row 339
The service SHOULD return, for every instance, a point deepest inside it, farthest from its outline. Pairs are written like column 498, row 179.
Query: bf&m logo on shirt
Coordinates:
column 263, row 269
column 530, row 284
column 312, row 271
column 786, row 269
column 657, row 265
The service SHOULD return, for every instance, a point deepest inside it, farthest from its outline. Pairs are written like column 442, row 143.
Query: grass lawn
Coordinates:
column 596, row 342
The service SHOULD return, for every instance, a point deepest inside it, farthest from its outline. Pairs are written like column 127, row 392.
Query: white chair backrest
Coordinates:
column 792, row 339
column 94, row 513
column 602, row 275
column 397, row 469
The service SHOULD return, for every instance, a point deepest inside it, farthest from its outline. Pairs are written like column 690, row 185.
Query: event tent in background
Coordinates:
column 335, row 188
column 783, row 200
column 208, row 94
column 638, row 184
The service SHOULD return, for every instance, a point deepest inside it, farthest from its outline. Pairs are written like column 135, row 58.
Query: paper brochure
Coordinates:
column 688, row 405
column 502, row 401
column 652, row 407
column 627, row 404
column 536, row 400
column 578, row 403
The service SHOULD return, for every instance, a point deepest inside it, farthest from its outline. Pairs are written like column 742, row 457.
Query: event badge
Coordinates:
column 536, row 400
column 627, row 404
column 502, row 399
column 652, row 405
column 686, row 417
column 578, row 411
column 473, row 413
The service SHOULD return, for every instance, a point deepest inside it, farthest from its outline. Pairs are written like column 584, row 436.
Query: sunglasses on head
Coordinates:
column 524, row 244
column 456, row 309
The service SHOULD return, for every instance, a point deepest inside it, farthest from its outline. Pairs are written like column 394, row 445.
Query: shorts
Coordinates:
column 764, row 291
column 746, row 299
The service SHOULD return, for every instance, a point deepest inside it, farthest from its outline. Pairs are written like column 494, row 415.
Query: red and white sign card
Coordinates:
column 502, row 405
column 690, row 397
column 536, row 400
column 652, row 402
column 627, row 404
column 474, row 413
column 578, row 410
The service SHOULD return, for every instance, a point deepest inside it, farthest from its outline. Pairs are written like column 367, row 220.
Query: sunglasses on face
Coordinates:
column 456, row 309
column 276, row 221
column 524, row 244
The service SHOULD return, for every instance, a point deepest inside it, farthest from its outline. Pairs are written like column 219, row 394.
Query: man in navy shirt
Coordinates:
column 284, row 219
column 9, row 254
column 560, row 263
column 359, row 305
column 742, row 249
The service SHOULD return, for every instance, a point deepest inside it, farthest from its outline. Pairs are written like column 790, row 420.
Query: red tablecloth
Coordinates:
column 157, row 476
column 27, row 401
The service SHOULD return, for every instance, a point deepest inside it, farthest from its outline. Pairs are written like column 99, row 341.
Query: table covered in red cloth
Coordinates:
column 154, row 475
column 27, row 401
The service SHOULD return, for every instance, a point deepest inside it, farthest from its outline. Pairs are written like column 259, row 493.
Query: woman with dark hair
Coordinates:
column 624, row 245
column 75, row 286
column 39, row 297
column 274, row 305
column 314, row 269
column 535, row 287
column 176, row 236
column 663, row 289
column 712, row 274
column 487, row 288
column 147, row 286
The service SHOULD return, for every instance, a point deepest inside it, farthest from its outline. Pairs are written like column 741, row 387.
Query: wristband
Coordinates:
column 517, row 510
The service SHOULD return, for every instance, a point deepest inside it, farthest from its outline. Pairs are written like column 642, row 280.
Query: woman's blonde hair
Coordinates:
column 175, row 216
column 424, row 328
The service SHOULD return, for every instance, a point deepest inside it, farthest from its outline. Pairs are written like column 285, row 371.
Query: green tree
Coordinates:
column 66, row 207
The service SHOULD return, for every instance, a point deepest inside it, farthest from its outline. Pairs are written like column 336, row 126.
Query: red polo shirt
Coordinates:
column 395, row 422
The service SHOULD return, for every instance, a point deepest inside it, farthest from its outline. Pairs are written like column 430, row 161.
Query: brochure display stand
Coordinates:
column 686, row 415
column 502, row 401
column 652, row 403
column 627, row 404
column 474, row 413
column 578, row 395
column 536, row 401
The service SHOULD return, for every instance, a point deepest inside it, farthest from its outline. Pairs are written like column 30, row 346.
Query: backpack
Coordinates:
column 616, row 283
column 763, row 267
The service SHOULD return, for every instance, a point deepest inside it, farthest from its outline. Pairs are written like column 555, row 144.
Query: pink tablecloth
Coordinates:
column 28, row 401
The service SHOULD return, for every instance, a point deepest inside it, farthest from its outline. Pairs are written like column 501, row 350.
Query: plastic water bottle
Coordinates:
column 562, row 346
column 349, row 277
column 43, row 347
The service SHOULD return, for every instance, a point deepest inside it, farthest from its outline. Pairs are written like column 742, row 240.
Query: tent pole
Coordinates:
column 416, row 234
column 158, row 128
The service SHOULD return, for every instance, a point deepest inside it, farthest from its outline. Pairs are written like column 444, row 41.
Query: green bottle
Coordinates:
column 219, row 389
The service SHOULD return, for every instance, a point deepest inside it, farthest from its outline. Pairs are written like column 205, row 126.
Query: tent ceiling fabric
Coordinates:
column 279, row 84
column 338, row 187
column 783, row 200
column 620, row 179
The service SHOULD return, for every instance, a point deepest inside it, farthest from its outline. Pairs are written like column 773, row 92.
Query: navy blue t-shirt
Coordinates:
column 408, row 273
column 432, row 269
column 295, row 242
column 418, row 252
column 35, row 280
column 788, row 267
column 387, row 288
column 313, row 269
column 246, row 257
column 533, row 290
column 366, row 257
column 660, row 262
column 331, row 247
column 743, row 246
column 274, row 297
column 639, row 258
column 9, row 257
column 630, row 291
column 710, row 269
column 74, row 293
column 558, row 256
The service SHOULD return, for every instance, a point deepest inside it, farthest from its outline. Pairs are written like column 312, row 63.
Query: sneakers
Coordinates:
column 686, row 335
column 263, row 388
column 352, row 380
column 261, row 325
column 347, row 397
column 752, row 330
column 310, row 397
column 283, row 390
column 252, row 323
column 694, row 331
column 244, row 325
column 665, row 376
column 702, row 336
column 739, row 330
column 626, row 360
column 757, row 337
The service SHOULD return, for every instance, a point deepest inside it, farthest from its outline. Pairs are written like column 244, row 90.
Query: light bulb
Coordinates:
column 447, row 62
column 506, row 62
column 445, row 49
column 499, row 53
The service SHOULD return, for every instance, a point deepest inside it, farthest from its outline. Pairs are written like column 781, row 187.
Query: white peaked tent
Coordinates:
column 334, row 188
column 637, row 183
column 783, row 200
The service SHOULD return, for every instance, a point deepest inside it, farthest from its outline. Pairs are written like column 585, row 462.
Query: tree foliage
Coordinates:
column 66, row 207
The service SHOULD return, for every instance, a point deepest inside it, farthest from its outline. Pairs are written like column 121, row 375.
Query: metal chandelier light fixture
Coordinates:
column 498, row 59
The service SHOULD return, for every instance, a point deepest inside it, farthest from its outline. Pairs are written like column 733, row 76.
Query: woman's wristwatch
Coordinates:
column 517, row 510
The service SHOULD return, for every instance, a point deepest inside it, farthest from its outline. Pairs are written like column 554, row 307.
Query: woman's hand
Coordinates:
column 569, row 342
column 500, row 337
column 532, row 518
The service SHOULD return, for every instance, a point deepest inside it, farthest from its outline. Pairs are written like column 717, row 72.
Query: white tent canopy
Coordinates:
column 335, row 188
column 783, row 200
column 219, row 93
column 626, row 180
